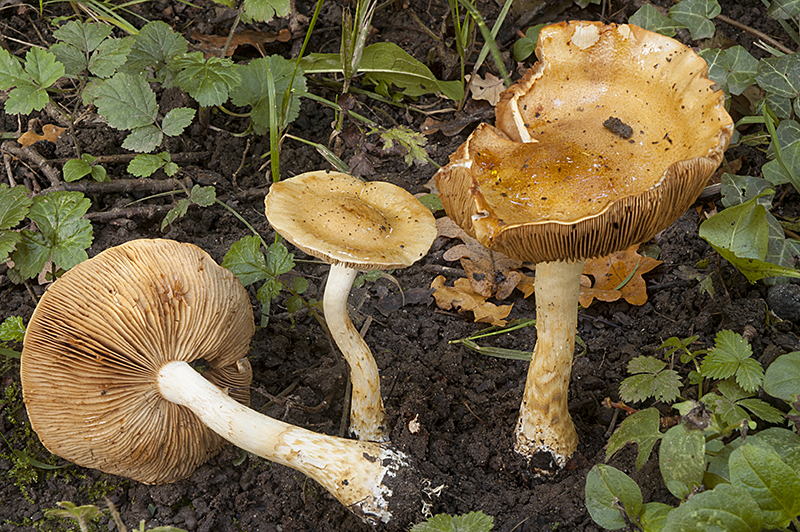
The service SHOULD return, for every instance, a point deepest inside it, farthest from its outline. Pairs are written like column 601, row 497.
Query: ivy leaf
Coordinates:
column 737, row 189
column 681, row 460
column 176, row 121
column 608, row 491
column 207, row 81
column 731, row 356
column 265, row 10
column 640, row 428
column 780, row 75
column 253, row 90
column 127, row 102
column 742, row 69
column 650, row 379
column 782, row 378
column 154, row 46
column 695, row 15
column 773, row 485
column 726, row 507
column 246, row 260
column 650, row 18
column 783, row 9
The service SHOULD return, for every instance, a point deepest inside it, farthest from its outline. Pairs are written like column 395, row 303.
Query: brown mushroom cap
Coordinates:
column 343, row 220
column 97, row 339
column 605, row 141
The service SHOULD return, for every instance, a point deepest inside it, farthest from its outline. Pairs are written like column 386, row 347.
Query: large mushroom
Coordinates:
column 605, row 141
column 352, row 225
column 108, row 379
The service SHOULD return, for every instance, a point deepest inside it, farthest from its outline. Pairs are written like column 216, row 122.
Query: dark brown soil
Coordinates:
column 466, row 403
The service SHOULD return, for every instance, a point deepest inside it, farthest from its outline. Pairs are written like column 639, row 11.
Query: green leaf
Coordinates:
column 127, row 102
column 682, row 460
column 737, row 189
column 773, row 485
column 269, row 291
column 726, row 508
column 265, row 10
column 279, row 260
column 782, row 378
column 72, row 58
column 471, row 522
column 12, row 329
column 762, row 410
column 178, row 211
column 783, row 9
column 654, row 516
column 784, row 442
column 30, row 257
column 84, row 36
column 11, row 72
column 75, row 169
column 176, row 121
column 526, row 46
column 154, row 46
column 640, row 428
column 780, row 75
column 742, row 69
column 293, row 304
column 299, row 284
column 143, row 139
column 43, row 67
column 695, row 15
column 609, row 492
column 413, row 142
column 203, row 196
column 787, row 136
column 246, row 260
column 207, row 81
column 650, row 18
column 14, row 205
column 650, row 379
column 253, row 90
column 109, row 56
column 25, row 98
column 99, row 173
column 145, row 164
column 731, row 356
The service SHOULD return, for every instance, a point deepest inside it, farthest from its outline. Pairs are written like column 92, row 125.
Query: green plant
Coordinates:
column 735, row 484
column 83, row 515
column 471, row 522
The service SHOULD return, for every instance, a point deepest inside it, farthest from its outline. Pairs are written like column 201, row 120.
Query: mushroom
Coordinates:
column 352, row 225
column 108, row 380
column 605, row 141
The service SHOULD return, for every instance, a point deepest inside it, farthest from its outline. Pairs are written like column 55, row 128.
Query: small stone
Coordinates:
column 784, row 301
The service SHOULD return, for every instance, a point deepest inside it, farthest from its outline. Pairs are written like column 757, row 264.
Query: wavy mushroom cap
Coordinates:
column 342, row 220
column 605, row 141
column 97, row 339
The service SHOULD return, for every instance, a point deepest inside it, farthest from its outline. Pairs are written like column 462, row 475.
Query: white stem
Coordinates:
column 544, row 422
column 367, row 415
column 354, row 472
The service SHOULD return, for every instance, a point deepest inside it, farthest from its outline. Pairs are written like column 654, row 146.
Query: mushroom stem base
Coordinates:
column 544, row 423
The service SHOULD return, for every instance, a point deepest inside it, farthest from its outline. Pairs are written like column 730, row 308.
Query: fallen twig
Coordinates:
column 32, row 156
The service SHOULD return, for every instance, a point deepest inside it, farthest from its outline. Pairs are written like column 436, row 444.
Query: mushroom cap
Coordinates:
column 343, row 220
column 97, row 339
column 605, row 141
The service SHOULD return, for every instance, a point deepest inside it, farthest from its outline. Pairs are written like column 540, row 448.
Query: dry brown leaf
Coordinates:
column 212, row 45
column 50, row 133
column 610, row 272
column 462, row 298
column 488, row 89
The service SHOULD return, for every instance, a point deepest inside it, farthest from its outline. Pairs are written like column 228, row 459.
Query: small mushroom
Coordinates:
column 108, row 379
column 352, row 225
column 605, row 141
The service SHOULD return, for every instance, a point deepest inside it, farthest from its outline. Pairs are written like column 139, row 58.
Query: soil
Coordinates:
column 466, row 403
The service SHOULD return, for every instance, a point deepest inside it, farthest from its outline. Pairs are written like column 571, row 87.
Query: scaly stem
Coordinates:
column 367, row 415
column 544, row 422
column 354, row 472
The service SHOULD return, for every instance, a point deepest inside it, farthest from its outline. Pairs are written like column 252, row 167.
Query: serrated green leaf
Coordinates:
column 30, row 256
column 75, row 169
column 74, row 60
column 608, row 492
column 246, row 260
column 202, row 196
column 726, row 508
column 782, row 378
column 143, row 139
column 662, row 386
column 178, row 211
column 58, row 216
column 145, row 164
column 127, row 102
column 154, row 46
column 762, row 410
column 14, row 205
column 11, row 72
column 12, row 329
column 43, row 67
column 731, row 356
column 207, row 81
column 783, row 9
column 176, row 121
column 780, row 75
column 681, row 460
column 695, row 15
column 644, row 364
column 84, row 36
column 771, row 483
column 109, row 56
column 171, row 169
column 650, row 18
column 253, row 90
column 749, row 374
column 640, row 428
column 25, row 99
column 269, row 290
column 265, row 10
column 8, row 241
column 471, row 522
column 279, row 260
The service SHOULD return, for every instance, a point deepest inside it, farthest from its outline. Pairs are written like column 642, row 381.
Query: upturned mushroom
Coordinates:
column 352, row 225
column 604, row 142
column 108, row 382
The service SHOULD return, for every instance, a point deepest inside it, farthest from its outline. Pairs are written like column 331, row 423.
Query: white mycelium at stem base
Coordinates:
column 367, row 415
column 354, row 472
column 544, row 423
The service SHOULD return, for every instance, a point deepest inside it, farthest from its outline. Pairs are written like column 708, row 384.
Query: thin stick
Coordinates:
column 755, row 32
